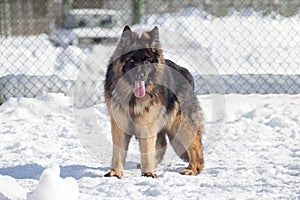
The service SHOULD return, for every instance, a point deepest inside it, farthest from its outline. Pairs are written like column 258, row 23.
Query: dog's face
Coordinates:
column 141, row 59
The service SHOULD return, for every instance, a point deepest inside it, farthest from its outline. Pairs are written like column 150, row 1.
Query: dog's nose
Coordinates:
column 140, row 76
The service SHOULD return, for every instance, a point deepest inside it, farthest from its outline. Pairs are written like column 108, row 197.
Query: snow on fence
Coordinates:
column 249, row 50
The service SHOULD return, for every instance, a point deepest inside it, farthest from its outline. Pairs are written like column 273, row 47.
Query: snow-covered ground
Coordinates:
column 252, row 141
column 255, row 154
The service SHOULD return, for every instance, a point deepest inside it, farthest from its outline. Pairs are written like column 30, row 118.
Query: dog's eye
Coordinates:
column 146, row 60
column 131, row 60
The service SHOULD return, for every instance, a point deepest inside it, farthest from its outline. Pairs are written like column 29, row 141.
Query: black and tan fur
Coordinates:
column 169, row 108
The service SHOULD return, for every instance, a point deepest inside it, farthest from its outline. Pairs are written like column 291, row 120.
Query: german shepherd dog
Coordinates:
column 150, row 97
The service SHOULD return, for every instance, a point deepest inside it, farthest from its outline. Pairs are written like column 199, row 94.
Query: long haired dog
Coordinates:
column 150, row 97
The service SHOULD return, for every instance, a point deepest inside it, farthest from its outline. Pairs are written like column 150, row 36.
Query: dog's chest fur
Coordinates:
column 147, row 111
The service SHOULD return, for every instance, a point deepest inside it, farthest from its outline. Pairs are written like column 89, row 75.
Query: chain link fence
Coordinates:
column 250, row 46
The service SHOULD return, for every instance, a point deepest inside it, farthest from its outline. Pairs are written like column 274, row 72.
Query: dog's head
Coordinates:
column 141, row 59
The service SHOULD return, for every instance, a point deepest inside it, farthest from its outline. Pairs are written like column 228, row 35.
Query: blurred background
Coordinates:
column 27, row 17
column 230, row 46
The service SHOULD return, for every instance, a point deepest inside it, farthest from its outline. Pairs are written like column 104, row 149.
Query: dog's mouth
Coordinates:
column 139, row 88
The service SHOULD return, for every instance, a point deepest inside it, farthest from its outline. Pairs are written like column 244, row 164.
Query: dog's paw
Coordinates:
column 149, row 174
column 188, row 172
column 114, row 173
column 193, row 169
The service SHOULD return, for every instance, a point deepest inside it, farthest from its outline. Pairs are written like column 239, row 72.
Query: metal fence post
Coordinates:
column 1, row 80
column 137, row 11
column 68, row 5
column 5, row 17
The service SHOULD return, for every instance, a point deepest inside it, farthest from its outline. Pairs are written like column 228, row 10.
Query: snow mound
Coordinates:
column 10, row 189
column 52, row 187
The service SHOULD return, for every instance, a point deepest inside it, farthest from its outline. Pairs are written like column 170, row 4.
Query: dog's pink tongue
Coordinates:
column 139, row 89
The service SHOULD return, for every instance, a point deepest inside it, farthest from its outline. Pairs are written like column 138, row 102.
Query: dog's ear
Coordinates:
column 127, row 28
column 126, row 34
column 154, row 35
column 125, row 41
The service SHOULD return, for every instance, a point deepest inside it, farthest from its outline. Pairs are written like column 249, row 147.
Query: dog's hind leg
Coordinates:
column 160, row 147
column 120, row 147
column 188, row 146
column 195, row 157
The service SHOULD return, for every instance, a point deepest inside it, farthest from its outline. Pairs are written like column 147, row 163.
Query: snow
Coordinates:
column 35, row 55
column 10, row 189
column 251, row 150
column 51, row 147
column 240, row 43
column 52, row 187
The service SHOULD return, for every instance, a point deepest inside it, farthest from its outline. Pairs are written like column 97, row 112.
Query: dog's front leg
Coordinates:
column 147, row 149
column 120, row 147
